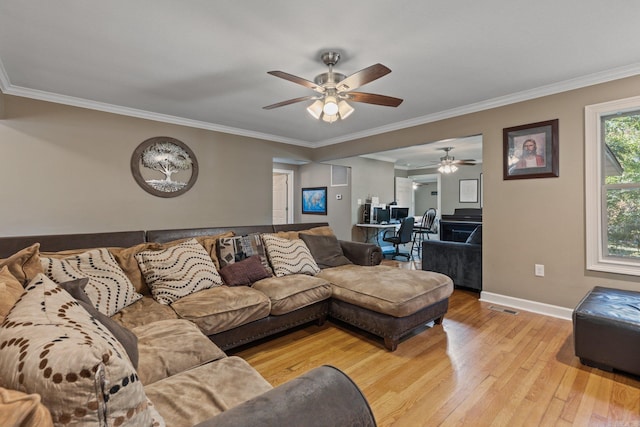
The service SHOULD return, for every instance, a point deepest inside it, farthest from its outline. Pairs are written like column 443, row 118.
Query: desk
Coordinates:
column 376, row 229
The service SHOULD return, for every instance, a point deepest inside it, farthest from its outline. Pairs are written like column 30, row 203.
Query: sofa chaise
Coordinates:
column 240, row 292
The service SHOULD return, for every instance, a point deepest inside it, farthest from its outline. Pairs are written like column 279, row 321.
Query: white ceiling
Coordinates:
column 204, row 63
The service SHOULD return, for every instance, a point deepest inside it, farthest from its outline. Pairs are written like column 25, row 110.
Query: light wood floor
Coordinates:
column 480, row 367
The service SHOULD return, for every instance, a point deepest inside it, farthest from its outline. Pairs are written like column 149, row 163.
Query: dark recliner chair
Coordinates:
column 404, row 235
column 461, row 261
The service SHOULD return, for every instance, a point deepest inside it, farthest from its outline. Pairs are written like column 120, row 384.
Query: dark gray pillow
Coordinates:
column 127, row 338
column 326, row 250
column 475, row 238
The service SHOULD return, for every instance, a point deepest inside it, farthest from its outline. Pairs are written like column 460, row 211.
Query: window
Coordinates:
column 612, row 186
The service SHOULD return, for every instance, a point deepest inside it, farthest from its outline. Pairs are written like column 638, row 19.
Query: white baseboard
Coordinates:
column 526, row 305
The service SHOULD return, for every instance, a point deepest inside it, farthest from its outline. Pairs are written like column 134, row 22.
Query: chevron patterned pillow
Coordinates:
column 289, row 256
column 109, row 288
column 178, row 271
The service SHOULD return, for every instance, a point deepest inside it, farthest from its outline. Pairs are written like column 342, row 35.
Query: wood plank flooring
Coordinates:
column 481, row 367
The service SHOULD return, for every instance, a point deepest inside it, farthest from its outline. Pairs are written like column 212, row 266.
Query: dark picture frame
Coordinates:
column 468, row 191
column 314, row 200
column 540, row 141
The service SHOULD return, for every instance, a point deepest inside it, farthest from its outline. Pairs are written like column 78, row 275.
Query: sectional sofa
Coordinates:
column 153, row 311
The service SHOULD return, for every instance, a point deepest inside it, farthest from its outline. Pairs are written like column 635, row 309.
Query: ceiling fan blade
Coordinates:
column 362, row 77
column 298, row 80
column 372, row 98
column 289, row 101
column 472, row 161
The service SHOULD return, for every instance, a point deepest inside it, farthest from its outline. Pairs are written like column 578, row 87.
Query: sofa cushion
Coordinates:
column 222, row 308
column 126, row 259
column 326, row 250
column 10, row 291
column 52, row 346
column 24, row 265
column 128, row 340
column 168, row 347
column 244, row 272
column 206, row 391
column 18, row 409
column 178, row 271
column 109, row 289
column 388, row 290
column 289, row 256
column 238, row 248
column 324, row 230
column 142, row 312
column 294, row 291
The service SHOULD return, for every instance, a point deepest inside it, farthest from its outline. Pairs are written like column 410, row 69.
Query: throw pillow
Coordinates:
column 109, row 288
column 244, row 272
column 24, row 265
column 234, row 249
column 178, row 271
column 289, row 256
column 475, row 238
column 128, row 340
column 10, row 292
column 326, row 250
column 51, row 346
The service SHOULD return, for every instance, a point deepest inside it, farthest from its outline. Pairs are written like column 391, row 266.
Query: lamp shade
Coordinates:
column 330, row 105
column 345, row 109
column 315, row 109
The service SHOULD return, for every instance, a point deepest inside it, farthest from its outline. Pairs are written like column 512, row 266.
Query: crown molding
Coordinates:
column 571, row 84
column 552, row 89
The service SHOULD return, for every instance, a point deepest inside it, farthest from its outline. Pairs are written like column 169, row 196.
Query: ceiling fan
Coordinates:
column 335, row 89
column 449, row 164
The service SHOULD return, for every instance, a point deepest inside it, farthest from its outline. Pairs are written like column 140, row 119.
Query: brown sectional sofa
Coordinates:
column 175, row 355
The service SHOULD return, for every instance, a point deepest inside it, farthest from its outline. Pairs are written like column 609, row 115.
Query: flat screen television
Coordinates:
column 399, row 213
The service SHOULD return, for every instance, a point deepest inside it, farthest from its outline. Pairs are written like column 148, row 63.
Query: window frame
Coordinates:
column 595, row 201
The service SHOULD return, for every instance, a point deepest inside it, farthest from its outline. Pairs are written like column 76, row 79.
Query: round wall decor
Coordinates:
column 164, row 166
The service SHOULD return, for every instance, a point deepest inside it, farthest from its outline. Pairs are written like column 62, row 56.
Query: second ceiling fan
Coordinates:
column 447, row 163
column 335, row 89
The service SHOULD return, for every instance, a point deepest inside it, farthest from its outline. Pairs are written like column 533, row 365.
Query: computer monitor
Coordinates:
column 381, row 215
column 399, row 213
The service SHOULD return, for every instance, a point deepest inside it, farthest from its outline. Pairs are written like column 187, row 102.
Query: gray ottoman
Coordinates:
column 606, row 330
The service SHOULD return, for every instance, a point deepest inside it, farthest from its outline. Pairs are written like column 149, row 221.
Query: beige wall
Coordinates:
column 66, row 170
column 526, row 221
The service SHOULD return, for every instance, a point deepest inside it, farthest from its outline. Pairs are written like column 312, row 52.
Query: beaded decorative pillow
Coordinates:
column 178, row 271
column 109, row 288
column 289, row 256
column 50, row 345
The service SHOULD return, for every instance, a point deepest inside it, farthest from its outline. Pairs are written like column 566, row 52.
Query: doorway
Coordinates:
column 282, row 196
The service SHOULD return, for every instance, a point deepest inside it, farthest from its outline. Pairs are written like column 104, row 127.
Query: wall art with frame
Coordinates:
column 531, row 151
column 468, row 191
column 314, row 200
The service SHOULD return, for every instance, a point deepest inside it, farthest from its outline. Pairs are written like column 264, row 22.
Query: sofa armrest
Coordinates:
column 462, row 262
column 362, row 253
column 324, row 396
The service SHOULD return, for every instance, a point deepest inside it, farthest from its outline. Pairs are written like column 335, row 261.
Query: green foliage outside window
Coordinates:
column 622, row 186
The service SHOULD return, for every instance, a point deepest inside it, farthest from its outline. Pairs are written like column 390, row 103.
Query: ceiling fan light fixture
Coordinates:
column 330, row 118
column 345, row 109
column 447, row 168
column 330, row 106
column 315, row 109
